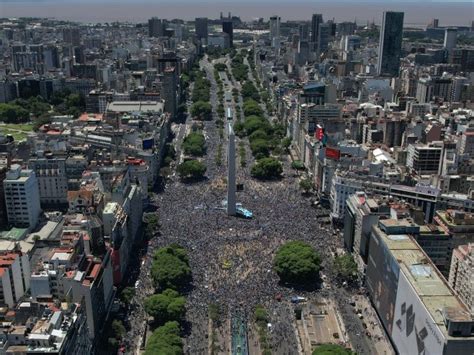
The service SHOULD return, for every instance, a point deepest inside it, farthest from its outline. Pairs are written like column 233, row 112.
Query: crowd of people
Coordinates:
column 231, row 258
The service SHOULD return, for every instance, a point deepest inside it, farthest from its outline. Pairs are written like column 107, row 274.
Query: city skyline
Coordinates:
column 456, row 13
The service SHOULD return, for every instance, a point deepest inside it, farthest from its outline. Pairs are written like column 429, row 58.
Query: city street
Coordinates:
column 191, row 215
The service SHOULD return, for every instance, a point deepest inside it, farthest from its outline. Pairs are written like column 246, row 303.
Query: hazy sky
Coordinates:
column 449, row 12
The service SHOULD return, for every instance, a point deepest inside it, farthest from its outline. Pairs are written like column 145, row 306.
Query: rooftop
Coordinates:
column 426, row 280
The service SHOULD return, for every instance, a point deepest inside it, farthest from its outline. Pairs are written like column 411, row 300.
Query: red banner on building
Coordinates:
column 332, row 153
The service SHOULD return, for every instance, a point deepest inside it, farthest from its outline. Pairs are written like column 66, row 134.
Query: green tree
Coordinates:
column 201, row 110
column 285, row 144
column 118, row 329
column 165, row 340
column 306, row 185
column 194, row 144
column 127, row 294
column 254, row 123
column 252, row 108
column 11, row 113
column 166, row 306
column 261, row 315
column 346, row 267
column 260, row 148
column 220, row 67
column 191, row 169
column 297, row 262
column 170, row 268
column 267, row 168
column 297, row 165
column 249, row 91
column 332, row 349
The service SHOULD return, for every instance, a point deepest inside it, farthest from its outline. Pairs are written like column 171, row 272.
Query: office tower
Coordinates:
column 390, row 45
column 303, row 30
column 22, row 197
column 231, row 183
column 316, row 20
column 228, row 27
column 200, row 26
column 275, row 31
column 3, row 209
column 323, row 37
column 450, row 38
column 155, row 27
column 170, row 90
column 435, row 23
column 72, row 36
column 51, row 57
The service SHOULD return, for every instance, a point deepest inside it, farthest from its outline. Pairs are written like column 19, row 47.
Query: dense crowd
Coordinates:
column 231, row 258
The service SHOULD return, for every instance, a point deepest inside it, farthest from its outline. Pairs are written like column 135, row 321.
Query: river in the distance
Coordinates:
column 449, row 13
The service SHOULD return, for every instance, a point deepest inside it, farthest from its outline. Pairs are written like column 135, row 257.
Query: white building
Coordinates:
column 14, row 277
column 22, row 197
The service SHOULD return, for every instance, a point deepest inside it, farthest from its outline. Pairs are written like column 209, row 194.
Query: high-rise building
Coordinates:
column 316, row 20
column 155, row 27
column 450, row 38
column 228, row 27
column 170, row 90
column 461, row 273
column 275, row 31
column 303, row 31
column 72, row 36
column 323, row 37
column 390, row 45
column 418, row 309
column 22, row 197
column 200, row 26
column 3, row 209
column 52, row 180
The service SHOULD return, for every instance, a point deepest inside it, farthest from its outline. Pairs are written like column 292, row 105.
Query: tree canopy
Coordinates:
column 12, row 113
column 267, row 168
column 194, row 144
column 201, row 110
column 191, row 169
column 346, row 267
column 165, row 340
column 166, row 306
column 331, row 349
column 170, row 267
column 297, row 262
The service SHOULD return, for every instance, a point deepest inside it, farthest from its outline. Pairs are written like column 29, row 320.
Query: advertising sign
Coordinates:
column 414, row 331
column 382, row 280
column 332, row 153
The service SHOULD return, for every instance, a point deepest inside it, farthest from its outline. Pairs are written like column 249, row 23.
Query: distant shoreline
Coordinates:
column 449, row 14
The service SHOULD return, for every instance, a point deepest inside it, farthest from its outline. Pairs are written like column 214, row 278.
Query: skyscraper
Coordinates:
column 323, row 37
column 316, row 20
column 390, row 45
column 155, row 27
column 450, row 38
column 200, row 25
column 228, row 27
column 275, row 31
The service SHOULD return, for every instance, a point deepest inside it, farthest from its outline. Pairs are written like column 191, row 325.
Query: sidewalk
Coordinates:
column 374, row 327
